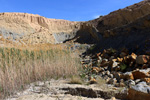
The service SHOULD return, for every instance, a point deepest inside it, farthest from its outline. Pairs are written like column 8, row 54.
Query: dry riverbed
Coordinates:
column 61, row 90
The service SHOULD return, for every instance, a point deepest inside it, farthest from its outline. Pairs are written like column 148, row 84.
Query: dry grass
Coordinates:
column 100, row 81
column 76, row 80
column 20, row 67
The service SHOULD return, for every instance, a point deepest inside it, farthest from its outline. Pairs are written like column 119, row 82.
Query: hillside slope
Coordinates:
column 128, row 27
column 31, row 29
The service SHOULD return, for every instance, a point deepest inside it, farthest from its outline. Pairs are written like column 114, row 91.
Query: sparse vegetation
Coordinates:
column 100, row 81
column 76, row 80
column 20, row 67
column 123, row 67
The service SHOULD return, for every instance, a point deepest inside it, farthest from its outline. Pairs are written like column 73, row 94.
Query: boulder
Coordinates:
column 127, row 76
column 140, row 91
column 142, row 59
column 119, row 59
column 133, row 56
column 140, row 74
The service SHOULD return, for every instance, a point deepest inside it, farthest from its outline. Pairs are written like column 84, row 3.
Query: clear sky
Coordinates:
column 73, row 10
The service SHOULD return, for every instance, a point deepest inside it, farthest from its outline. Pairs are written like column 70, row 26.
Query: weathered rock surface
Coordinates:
column 139, row 92
column 142, row 59
column 128, row 27
column 122, row 16
column 31, row 29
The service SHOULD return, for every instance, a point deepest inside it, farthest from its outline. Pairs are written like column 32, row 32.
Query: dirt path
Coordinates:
column 60, row 90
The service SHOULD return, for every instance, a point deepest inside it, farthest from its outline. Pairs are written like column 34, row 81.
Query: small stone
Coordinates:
column 100, row 59
column 110, row 75
column 105, row 68
column 107, row 80
column 106, row 60
column 112, row 81
column 103, row 73
column 95, row 69
column 98, row 54
column 137, row 81
column 147, row 80
column 107, row 72
column 133, row 56
column 115, row 64
column 101, row 69
column 114, row 59
column 104, row 63
column 113, row 98
column 93, row 81
column 119, row 59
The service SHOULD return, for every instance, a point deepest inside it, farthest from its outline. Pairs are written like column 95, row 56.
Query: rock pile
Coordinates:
column 119, row 69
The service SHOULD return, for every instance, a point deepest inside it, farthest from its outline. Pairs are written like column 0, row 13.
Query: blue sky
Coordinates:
column 73, row 10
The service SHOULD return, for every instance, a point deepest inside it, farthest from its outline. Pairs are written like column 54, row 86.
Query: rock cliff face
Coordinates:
column 128, row 27
column 32, row 29
column 122, row 16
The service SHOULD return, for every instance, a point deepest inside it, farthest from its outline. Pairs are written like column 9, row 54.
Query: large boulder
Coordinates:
column 140, row 74
column 140, row 91
column 127, row 75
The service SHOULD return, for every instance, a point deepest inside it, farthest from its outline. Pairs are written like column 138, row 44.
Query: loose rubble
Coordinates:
column 120, row 69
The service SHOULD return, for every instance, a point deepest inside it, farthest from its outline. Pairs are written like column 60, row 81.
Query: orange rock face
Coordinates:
column 139, row 74
column 127, row 75
column 133, row 56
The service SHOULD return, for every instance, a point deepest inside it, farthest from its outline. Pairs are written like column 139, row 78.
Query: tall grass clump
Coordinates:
column 21, row 67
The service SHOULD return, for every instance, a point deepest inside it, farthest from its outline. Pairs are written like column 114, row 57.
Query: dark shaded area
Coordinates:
column 134, row 36
column 87, row 34
column 94, row 93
